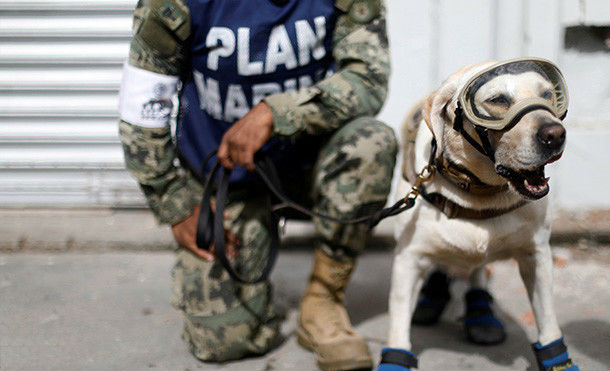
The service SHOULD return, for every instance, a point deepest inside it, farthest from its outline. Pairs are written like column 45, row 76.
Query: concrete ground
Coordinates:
column 135, row 229
column 110, row 310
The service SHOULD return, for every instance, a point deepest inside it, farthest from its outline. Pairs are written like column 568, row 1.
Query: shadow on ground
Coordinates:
column 589, row 332
column 449, row 336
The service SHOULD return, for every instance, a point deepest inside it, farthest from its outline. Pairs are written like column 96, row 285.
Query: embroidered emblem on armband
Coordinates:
column 145, row 98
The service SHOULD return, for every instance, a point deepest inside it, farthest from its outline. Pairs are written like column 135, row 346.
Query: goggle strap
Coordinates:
column 527, row 110
column 433, row 148
column 482, row 133
column 458, row 125
column 458, row 122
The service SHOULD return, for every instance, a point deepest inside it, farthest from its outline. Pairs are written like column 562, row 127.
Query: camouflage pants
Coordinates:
column 224, row 320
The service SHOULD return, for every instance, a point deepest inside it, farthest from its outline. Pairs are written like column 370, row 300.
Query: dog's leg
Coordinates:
column 408, row 273
column 480, row 323
column 407, row 277
column 433, row 299
column 537, row 273
column 478, row 278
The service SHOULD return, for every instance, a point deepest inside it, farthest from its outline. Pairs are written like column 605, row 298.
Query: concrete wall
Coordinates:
column 60, row 68
column 432, row 39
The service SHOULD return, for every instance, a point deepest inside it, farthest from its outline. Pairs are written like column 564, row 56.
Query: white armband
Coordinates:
column 145, row 98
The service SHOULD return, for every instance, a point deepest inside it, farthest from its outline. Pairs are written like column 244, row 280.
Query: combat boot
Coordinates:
column 324, row 325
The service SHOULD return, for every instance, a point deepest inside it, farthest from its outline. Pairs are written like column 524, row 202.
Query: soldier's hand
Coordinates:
column 246, row 137
column 185, row 232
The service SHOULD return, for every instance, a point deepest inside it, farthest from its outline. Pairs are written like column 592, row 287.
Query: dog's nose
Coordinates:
column 552, row 135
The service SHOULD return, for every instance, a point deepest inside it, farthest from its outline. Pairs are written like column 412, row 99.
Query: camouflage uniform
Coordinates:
column 351, row 176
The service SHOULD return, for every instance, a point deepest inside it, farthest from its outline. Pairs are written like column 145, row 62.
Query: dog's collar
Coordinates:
column 458, row 176
column 464, row 179
column 453, row 210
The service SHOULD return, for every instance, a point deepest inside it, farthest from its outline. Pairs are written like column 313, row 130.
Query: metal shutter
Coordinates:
column 60, row 70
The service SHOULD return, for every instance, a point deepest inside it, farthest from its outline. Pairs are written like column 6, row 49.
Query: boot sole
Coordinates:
column 306, row 342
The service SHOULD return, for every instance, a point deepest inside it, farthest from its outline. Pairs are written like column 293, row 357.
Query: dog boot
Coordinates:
column 324, row 325
column 481, row 325
column 432, row 300
column 394, row 359
column 553, row 357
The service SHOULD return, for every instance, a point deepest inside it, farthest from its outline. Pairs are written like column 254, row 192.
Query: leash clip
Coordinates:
column 282, row 226
column 425, row 175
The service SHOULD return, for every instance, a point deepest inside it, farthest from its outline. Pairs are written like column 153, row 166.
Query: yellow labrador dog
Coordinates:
column 486, row 134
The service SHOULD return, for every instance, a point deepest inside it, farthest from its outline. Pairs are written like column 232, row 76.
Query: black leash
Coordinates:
column 210, row 227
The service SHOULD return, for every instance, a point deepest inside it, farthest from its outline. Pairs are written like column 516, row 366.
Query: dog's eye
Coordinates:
column 547, row 95
column 499, row 100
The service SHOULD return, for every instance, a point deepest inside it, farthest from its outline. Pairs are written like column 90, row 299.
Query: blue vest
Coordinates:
column 241, row 51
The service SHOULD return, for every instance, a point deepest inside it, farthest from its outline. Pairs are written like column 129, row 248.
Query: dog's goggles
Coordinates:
column 486, row 99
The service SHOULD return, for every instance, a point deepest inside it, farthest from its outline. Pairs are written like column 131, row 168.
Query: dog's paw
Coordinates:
column 433, row 300
column 553, row 357
column 394, row 359
column 481, row 325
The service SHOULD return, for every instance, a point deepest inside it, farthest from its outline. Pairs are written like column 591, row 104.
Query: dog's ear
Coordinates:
column 439, row 111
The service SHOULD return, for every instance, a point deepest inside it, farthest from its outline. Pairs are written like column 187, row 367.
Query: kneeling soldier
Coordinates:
column 297, row 80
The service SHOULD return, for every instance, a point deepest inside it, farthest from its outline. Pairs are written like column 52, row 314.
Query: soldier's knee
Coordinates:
column 222, row 321
column 243, row 330
column 370, row 140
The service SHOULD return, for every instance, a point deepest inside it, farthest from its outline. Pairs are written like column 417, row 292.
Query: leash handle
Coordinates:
column 205, row 222
column 210, row 226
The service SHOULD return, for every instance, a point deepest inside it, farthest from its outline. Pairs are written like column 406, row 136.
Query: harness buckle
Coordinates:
column 282, row 226
column 426, row 174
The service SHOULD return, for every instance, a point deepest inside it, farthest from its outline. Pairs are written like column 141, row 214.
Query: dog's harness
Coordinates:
column 452, row 210
column 455, row 174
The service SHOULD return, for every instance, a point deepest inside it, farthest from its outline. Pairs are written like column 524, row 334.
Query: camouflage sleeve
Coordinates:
column 160, row 28
column 171, row 192
column 358, row 88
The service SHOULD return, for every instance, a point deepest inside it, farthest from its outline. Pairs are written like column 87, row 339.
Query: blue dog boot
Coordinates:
column 394, row 359
column 432, row 300
column 553, row 357
column 481, row 325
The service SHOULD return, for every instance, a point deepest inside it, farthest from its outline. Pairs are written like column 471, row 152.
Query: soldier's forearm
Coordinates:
column 176, row 203
column 149, row 157
column 358, row 88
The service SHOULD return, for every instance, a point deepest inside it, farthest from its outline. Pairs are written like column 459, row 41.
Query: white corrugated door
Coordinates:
column 60, row 69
